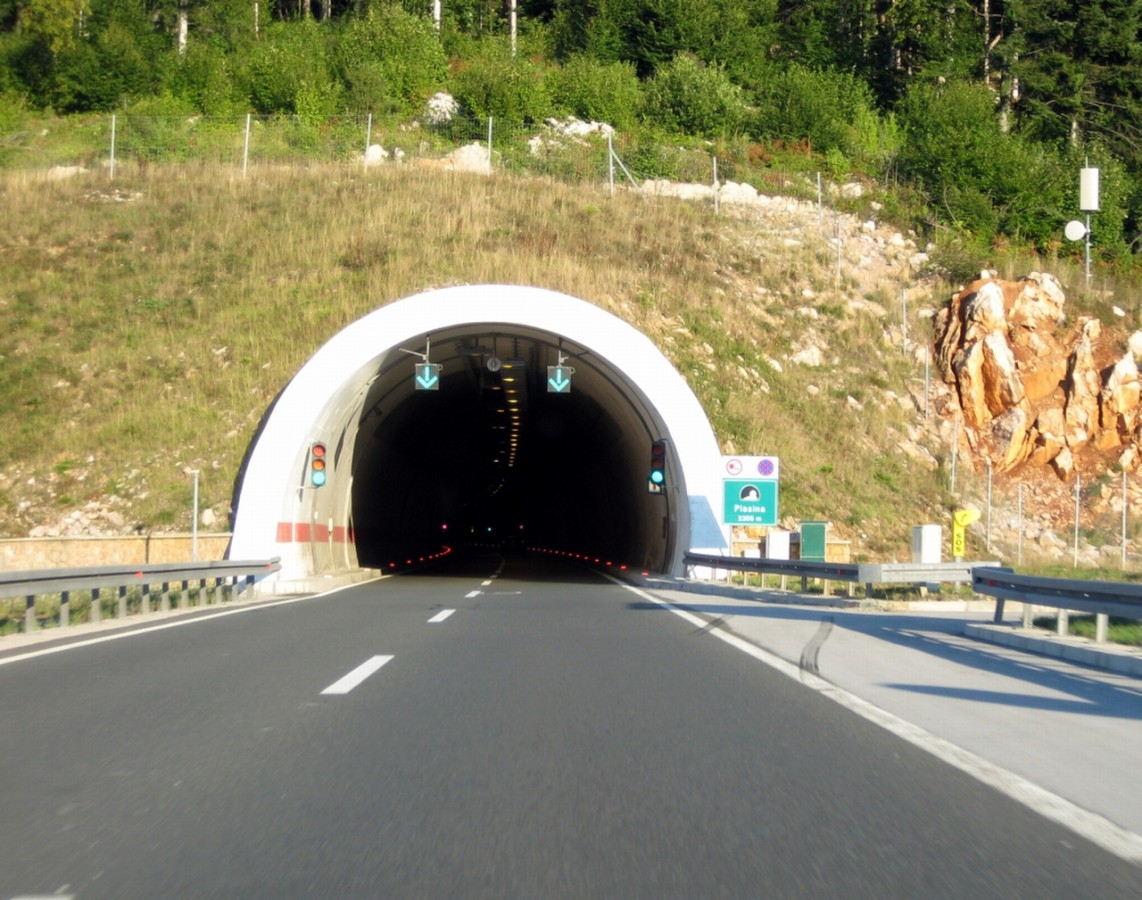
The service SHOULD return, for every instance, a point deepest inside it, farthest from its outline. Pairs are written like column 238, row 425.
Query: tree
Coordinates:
column 58, row 24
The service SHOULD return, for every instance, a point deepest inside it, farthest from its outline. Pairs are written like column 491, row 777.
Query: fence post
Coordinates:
column 112, row 170
column 1019, row 520
column 1078, row 480
column 368, row 140
column 717, row 210
column 1125, row 504
column 610, row 165
column 987, row 541
column 246, row 147
column 489, row 145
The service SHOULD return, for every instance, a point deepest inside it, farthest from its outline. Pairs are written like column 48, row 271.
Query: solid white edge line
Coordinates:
column 1095, row 828
column 135, row 632
column 441, row 616
column 345, row 684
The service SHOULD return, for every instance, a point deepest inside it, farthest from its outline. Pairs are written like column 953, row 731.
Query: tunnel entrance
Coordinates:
column 487, row 449
column 496, row 455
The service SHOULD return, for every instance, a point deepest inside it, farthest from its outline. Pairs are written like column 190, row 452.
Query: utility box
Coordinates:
column 813, row 541
column 777, row 544
column 927, row 544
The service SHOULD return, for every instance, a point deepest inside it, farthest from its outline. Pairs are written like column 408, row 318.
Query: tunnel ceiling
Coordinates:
column 493, row 456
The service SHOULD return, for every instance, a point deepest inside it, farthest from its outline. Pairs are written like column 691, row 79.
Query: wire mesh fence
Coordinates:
column 569, row 150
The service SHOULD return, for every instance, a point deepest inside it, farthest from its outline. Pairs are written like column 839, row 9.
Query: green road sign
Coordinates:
column 750, row 502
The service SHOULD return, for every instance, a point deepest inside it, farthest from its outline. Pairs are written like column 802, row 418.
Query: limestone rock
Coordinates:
column 1028, row 392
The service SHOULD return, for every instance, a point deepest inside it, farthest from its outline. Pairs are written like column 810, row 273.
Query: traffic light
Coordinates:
column 317, row 464
column 656, row 483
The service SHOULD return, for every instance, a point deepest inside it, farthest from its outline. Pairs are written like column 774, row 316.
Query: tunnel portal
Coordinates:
column 532, row 427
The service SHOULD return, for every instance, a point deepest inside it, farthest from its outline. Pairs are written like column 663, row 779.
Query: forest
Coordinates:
column 984, row 111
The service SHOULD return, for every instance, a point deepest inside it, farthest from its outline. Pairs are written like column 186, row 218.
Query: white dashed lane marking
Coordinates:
column 359, row 674
column 441, row 616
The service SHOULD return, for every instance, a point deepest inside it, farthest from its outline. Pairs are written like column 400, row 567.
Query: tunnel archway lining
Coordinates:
column 276, row 515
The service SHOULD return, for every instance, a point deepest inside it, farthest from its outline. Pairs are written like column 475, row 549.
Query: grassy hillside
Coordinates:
column 146, row 324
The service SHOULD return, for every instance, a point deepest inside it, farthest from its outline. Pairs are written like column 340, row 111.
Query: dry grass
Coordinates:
column 146, row 324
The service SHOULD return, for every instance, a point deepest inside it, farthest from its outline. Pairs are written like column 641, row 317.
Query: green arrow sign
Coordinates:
column 428, row 376
column 559, row 379
column 750, row 502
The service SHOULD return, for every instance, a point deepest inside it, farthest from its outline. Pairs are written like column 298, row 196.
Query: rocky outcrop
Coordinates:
column 1031, row 390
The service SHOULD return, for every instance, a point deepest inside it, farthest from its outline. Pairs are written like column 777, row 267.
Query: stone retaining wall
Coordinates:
column 19, row 554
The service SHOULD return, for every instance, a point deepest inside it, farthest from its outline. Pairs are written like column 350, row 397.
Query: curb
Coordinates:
column 1124, row 661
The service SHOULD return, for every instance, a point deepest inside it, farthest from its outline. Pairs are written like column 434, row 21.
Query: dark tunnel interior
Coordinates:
column 494, row 458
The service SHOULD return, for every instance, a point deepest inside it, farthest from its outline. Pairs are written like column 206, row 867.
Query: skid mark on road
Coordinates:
column 813, row 648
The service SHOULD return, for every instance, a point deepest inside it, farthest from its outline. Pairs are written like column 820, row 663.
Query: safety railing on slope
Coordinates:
column 153, row 584
column 1099, row 598
column 868, row 574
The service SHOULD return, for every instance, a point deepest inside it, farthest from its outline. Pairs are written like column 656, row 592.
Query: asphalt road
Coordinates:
column 554, row 736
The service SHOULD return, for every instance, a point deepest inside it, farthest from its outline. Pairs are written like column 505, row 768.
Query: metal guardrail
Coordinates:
column 868, row 574
column 204, row 576
column 1101, row 598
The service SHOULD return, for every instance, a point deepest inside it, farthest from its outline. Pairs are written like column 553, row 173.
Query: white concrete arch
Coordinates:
column 277, row 513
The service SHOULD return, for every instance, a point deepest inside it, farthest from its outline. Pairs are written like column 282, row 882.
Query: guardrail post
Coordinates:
column 182, row 597
column 145, row 600
column 96, row 610
column 64, row 609
column 122, row 601
column 999, row 601
column 1063, row 624
column 165, row 601
column 1026, row 613
column 30, row 614
column 1101, row 624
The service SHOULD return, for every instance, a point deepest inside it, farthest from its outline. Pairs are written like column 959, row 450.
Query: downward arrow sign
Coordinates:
column 427, row 377
column 557, row 382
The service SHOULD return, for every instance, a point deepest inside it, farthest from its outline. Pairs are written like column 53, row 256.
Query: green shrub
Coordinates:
column 494, row 84
column 830, row 109
column 291, row 54
column 600, row 92
column 205, row 78
column 688, row 97
column 390, row 61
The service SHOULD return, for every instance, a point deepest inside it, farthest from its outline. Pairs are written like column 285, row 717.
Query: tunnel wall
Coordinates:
column 276, row 515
